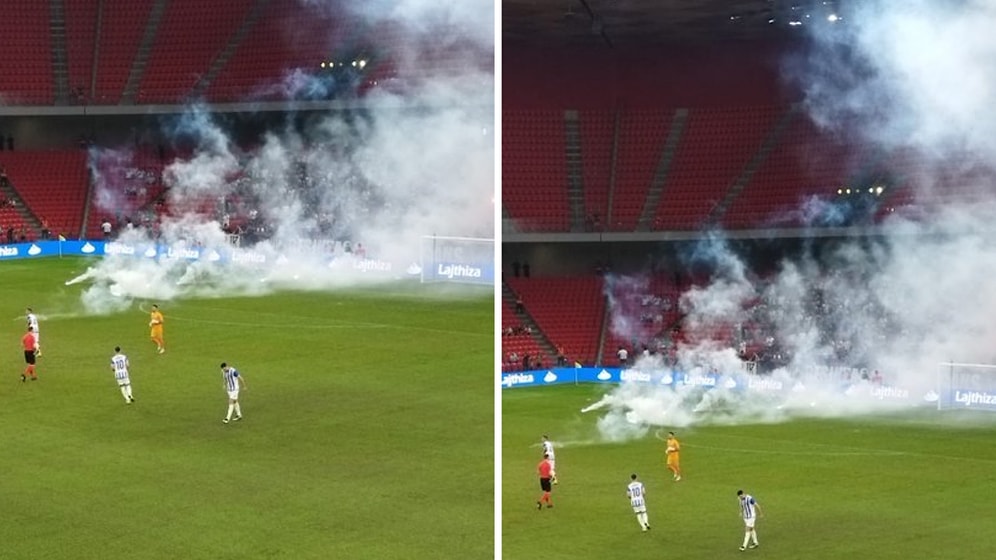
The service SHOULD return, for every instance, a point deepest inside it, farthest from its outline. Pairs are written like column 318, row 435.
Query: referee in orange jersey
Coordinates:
column 545, row 473
column 30, row 344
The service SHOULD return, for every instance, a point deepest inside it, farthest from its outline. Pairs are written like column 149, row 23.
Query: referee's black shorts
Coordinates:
column 29, row 357
column 545, row 484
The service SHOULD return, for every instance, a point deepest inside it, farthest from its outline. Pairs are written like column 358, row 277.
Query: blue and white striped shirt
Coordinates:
column 747, row 504
column 120, row 364
column 231, row 377
column 635, row 492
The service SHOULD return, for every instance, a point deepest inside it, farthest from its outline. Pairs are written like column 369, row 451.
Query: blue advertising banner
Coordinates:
column 742, row 383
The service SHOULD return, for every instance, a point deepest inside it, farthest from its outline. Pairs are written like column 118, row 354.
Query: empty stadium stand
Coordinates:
column 568, row 310
column 26, row 64
column 191, row 34
column 53, row 185
column 534, row 170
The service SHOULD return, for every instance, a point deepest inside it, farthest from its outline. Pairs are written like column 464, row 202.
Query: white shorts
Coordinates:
column 234, row 395
column 124, row 381
column 37, row 338
column 749, row 522
column 641, row 509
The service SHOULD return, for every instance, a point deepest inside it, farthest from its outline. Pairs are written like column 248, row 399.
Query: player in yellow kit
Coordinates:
column 156, row 327
column 674, row 456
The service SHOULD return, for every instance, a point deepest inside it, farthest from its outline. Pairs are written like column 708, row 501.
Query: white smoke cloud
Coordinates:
column 916, row 82
column 402, row 163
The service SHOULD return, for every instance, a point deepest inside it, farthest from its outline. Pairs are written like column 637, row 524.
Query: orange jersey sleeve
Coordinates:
column 156, row 318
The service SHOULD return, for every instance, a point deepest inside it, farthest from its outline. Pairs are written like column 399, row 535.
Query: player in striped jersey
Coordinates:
column 233, row 383
column 637, row 498
column 119, row 365
column 548, row 453
column 750, row 510
column 33, row 324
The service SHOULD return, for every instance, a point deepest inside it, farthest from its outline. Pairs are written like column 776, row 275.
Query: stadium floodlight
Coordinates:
column 832, row 18
column 362, row 63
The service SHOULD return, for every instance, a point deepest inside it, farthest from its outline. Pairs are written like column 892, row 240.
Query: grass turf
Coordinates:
column 368, row 429
column 916, row 485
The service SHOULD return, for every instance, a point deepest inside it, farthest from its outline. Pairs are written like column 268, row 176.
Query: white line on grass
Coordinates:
column 308, row 324
column 854, row 450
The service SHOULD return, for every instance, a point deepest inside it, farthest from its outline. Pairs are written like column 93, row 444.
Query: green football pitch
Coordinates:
column 915, row 485
column 368, row 427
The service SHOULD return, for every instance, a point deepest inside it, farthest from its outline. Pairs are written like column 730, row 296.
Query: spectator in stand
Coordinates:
column 106, row 227
column 10, row 234
column 623, row 356
column 561, row 356
column 525, row 270
column 46, row 233
column 519, row 306
column 516, row 268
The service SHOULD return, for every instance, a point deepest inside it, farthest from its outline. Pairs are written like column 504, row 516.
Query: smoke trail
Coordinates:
column 328, row 198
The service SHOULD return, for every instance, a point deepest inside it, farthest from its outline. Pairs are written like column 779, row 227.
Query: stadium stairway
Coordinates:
column 774, row 137
column 142, row 54
column 60, row 69
column 223, row 57
column 575, row 181
column 653, row 199
column 18, row 215
column 538, row 338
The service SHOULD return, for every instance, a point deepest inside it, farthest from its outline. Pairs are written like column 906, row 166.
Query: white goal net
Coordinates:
column 466, row 260
column 966, row 386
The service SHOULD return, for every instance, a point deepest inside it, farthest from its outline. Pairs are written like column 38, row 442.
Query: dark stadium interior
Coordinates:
column 649, row 22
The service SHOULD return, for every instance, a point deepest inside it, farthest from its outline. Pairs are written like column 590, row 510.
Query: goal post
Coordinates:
column 464, row 260
column 966, row 386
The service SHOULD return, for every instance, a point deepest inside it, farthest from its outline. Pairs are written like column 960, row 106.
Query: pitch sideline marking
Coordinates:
column 878, row 452
column 341, row 325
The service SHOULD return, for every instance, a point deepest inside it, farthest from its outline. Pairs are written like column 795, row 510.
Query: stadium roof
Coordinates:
column 559, row 23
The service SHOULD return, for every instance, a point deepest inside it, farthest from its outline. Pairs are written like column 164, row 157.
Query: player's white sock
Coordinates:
column 753, row 535
column 238, row 410
column 232, row 407
column 644, row 520
column 746, row 538
column 124, row 392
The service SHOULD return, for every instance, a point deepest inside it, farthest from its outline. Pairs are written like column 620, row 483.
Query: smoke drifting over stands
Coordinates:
column 915, row 83
column 306, row 197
